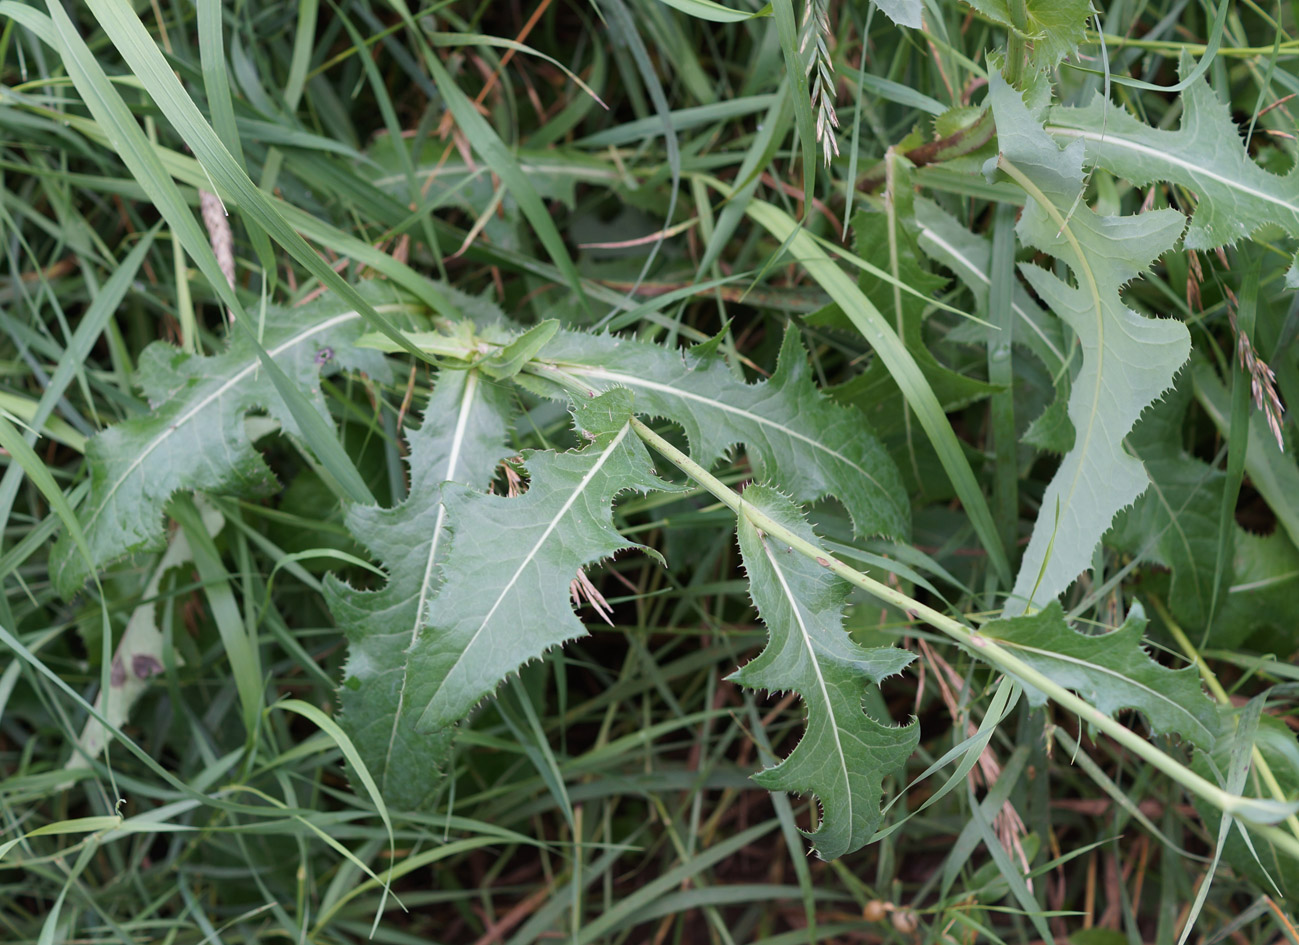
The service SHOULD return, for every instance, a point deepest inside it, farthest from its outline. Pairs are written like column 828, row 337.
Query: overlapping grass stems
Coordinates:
column 673, row 172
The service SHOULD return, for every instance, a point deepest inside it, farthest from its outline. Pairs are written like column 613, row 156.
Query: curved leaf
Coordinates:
column 893, row 352
column 715, row 12
column 1055, row 27
column 1205, row 154
column 504, row 595
column 461, row 439
column 1111, row 671
column 1175, row 521
column 845, row 754
column 903, row 12
column 795, row 436
column 194, row 435
column 1127, row 360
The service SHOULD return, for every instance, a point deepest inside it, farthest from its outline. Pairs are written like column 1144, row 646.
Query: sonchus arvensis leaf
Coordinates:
column 194, row 436
column 1127, row 360
column 1234, row 197
column 845, row 755
column 1110, row 670
column 504, row 595
column 969, row 255
column 462, row 439
column 794, row 436
column 903, row 12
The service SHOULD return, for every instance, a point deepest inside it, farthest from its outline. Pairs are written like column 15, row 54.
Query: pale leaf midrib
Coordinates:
column 630, row 380
column 453, row 458
column 1082, row 269
column 536, row 547
column 795, row 607
column 1085, row 664
column 1112, row 138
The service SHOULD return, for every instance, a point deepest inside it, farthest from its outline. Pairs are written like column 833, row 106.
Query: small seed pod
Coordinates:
column 905, row 921
column 875, row 910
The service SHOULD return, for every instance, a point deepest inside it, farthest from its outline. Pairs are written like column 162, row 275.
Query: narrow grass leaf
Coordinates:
column 239, row 645
column 489, row 146
column 88, row 330
column 714, row 12
column 139, row 154
column 137, row 47
column 890, row 348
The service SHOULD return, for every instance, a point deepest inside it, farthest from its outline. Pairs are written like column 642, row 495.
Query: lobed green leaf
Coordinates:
column 1234, row 196
column 194, row 436
column 845, row 755
column 1110, row 670
column 504, row 596
column 1127, row 361
column 462, row 439
column 794, row 436
column 1175, row 521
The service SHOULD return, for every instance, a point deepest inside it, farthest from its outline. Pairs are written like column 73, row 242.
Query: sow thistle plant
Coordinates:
column 479, row 584
column 481, row 579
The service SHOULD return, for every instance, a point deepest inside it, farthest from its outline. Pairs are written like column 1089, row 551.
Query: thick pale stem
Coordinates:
column 1016, row 50
column 983, row 648
column 1211, row 680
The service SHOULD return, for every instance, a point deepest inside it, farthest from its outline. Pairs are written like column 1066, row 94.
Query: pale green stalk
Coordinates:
column 985, row 649
column 1211, row 680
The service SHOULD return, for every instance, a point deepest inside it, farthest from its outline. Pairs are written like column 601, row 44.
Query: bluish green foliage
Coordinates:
column 191, row 434
column 380, row 703
column 461, row 440
column 504, row 597
column 794, row 436
column 1111, row 671
column 1175, row 521
column 1233, row 196
column 1128, row 360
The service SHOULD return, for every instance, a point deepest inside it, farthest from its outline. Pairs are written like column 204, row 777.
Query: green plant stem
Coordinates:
column 1211, row 680
column 983, row 648
column 1005, row 486
column 1117, row 43
column 1016, row 49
